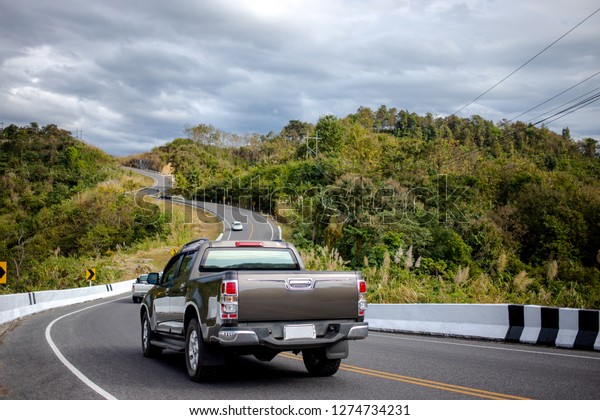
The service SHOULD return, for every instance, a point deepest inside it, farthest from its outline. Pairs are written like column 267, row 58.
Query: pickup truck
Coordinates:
column 139, row 288
column 218, row 299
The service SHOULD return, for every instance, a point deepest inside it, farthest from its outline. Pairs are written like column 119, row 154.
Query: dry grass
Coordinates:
column 552, row 269
column 521, row 281
column 462, row 276
column 323, row 259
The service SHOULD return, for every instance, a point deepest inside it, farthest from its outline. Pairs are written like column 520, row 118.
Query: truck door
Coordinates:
column 161, row 302
column 177, row 293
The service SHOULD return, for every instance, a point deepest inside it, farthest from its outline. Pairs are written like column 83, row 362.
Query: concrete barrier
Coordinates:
column 568, row 327
column 22, row 304
column 560, row 327
column 482, row 321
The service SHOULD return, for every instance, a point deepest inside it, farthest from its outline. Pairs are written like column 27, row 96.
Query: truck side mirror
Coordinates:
column 153, row 278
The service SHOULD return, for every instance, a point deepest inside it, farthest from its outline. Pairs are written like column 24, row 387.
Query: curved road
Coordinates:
column 93, row 351
column 256, row 226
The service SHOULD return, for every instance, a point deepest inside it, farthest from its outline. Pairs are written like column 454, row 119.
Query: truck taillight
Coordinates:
column 362, row 286
column 362, row 296
column 229, row 299
column 229, row 288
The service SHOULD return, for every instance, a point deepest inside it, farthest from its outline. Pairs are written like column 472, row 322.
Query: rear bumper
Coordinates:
column 328, row 333
column 140, row 291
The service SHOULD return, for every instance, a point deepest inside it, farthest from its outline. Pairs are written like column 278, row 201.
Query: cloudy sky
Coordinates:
column 131, row 74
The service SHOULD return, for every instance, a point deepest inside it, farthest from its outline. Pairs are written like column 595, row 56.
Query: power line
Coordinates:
column 314, row 150
column 561, row 105
column 528, row 61
column 569, row 110
column 555, row 96
column 564, row 112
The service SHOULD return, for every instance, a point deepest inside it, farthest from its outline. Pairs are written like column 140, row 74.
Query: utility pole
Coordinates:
column 312, row 150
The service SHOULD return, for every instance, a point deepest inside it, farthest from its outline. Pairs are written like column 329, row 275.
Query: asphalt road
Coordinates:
column 99, row 356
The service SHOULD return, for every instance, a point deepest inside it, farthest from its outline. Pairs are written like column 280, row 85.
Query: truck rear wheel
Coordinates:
column 194, row 350
column 318, row 364
column 148, row 348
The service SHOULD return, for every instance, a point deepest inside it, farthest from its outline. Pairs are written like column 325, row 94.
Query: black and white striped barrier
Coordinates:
column 560, row 327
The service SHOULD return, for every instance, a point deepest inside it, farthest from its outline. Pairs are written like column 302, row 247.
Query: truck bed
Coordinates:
column 297, row 296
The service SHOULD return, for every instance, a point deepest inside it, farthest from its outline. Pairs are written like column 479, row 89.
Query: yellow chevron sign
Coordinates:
column 3, row 272
column 90, row 274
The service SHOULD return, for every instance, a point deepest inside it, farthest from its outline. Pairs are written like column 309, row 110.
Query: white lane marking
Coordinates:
column 249, row 218
column 105, row 394
column 255, row 215
column 271, row 226
column 545, row 353
column 228, row 230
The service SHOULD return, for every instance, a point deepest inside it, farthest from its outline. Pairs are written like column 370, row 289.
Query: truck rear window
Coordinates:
column 221, row 259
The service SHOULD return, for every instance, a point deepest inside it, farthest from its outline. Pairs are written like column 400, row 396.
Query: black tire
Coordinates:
column 194, row 350
column 317, row 363
column 148, row 349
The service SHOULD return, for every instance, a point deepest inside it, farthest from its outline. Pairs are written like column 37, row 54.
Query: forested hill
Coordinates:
column 63, row 203
column 42, row 166
column 431, row 209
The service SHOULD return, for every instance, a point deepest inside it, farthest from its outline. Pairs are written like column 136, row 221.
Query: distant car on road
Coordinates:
column 237, row 226
column 141, row 286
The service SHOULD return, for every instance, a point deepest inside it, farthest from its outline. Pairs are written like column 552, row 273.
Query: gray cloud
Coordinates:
column 132, row 74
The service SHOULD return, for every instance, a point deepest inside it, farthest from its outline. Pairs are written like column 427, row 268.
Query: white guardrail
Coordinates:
column 560, row 327
column 22, row 304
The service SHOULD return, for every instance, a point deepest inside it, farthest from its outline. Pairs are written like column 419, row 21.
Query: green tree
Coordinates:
column 295, row 130
column 330, row 130
column 590, row 147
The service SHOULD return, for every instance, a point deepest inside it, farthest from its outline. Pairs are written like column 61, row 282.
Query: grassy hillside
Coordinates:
column 431, row 209
column 67, row 206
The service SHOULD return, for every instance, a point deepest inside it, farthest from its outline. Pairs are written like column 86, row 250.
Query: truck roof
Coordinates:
column 249, row 243
column 195, row 244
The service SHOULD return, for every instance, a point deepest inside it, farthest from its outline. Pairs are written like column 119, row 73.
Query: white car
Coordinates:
column 237, row 226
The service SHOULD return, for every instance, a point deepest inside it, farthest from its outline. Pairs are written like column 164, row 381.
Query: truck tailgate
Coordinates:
column 296, row 296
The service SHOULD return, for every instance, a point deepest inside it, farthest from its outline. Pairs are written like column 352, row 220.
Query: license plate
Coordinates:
column 299, row 331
